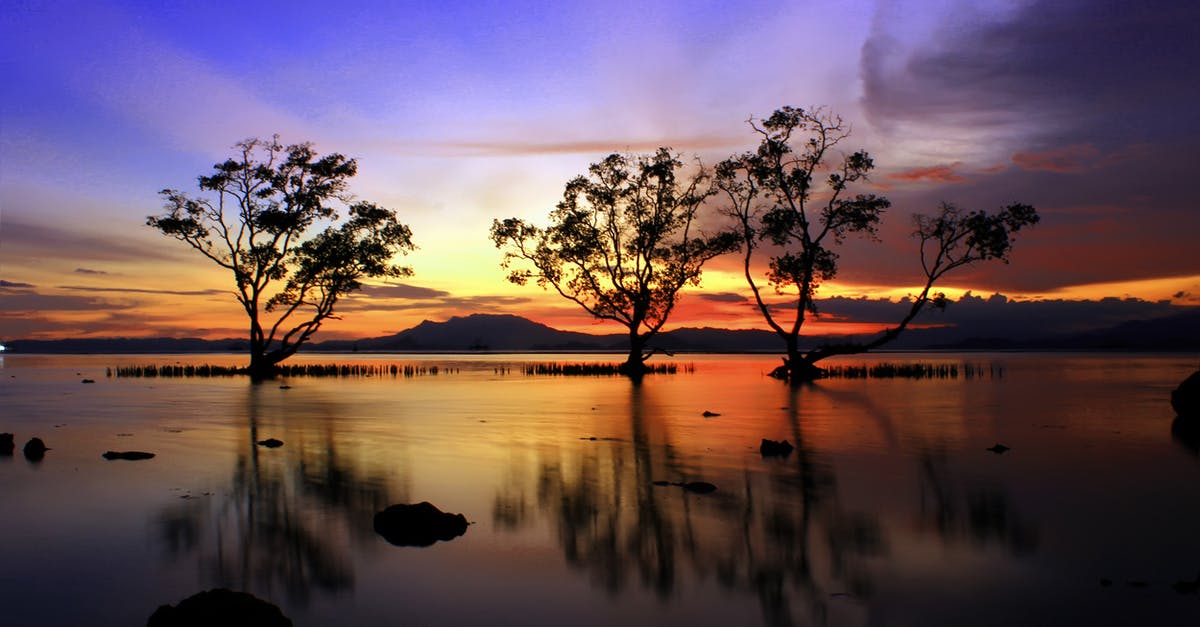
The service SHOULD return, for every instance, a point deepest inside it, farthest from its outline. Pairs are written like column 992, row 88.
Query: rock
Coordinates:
column 88, row 381
column 1185, row 399
column 6, row 444
column 421, row 524
column 271, row 443
column 710, row 414
column 219, row 606
column 35, row 449
column 771, row 448
column 998, row 449
column 699, row 487
column 130, row 455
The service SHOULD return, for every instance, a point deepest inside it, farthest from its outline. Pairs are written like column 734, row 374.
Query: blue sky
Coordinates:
column 461, row 112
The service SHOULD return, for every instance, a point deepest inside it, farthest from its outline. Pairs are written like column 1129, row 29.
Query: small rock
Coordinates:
column 699, row 487
column 6, row 444
column 421, row 524
column 35, row 449
column 270, row 443
column 1105, row 582
column 661, row 483
column 285, row 387
column 88, row 381
column 1187, row 587
column 130, row 455
column 219, row 606
column 710, row 414
column 998, row 449
column 771, row 448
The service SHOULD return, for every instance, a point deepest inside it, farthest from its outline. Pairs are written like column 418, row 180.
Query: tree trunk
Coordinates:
column 262, row 366
column 797, row 368
column 635, row 363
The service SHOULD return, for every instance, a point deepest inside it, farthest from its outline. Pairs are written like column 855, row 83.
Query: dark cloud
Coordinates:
column 32, row 301
column 14, row 285
column 399, row 290
column 38, row 240
column 135, row 290
column 89, row 271
column 1001, row 316
column 515, row 147
column 722, row 297
column 1126, row 67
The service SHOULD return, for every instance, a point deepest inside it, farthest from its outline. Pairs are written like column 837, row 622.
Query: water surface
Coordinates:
column 889, row 512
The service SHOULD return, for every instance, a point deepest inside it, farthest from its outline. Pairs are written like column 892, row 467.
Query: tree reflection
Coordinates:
column 286, row 520
column 781, row 535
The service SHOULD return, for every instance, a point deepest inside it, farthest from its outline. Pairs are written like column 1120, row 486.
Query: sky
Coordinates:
column 459, row 113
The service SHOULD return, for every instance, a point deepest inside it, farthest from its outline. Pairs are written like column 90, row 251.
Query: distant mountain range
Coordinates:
column 509, row 333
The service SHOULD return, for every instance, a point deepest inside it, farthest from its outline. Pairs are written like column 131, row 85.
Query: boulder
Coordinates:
column 998, row 449
column 6, row 444
column 271, row 443
column 130, row 455
column 219, row 606
column 771, row 448
column 421, row 524
column 1185, row 399
column 35, row 449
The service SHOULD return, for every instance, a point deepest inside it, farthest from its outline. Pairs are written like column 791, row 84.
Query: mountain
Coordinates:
column 509, row 333
column 478, row 332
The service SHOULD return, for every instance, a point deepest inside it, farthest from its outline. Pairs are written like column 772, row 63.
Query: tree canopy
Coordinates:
column 621, row 244
column 795, row 195
column 255, row 216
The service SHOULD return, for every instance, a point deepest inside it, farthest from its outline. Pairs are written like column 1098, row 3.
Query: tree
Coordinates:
column 252, row 217
column 797, row 199
column 621, row 244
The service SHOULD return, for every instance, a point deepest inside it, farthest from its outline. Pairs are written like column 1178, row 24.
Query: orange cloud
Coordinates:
column 933, row 174
column 1073, row 158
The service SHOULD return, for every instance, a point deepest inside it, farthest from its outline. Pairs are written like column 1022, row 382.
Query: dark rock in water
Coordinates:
column 130, row 455
column 35, row 449
column 1187, row 587
column 771, row 448
column 6, row 444
column 421, row 524
column 88, row 381
column 998, row 449
column 697, row 487
column 1105, row 582
column 709, row 414
column 271, row 443
column 1186, row 433
column 1185, row 399
column 219, row 606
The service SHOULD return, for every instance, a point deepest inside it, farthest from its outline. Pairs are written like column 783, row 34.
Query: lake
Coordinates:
column 890, row 510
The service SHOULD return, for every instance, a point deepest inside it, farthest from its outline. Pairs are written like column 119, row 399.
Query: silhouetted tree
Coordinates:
column 621, row 244
column 780, row 195
column 252, row 219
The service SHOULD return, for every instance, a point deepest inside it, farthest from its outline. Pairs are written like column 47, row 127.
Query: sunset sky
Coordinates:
column 461, row 112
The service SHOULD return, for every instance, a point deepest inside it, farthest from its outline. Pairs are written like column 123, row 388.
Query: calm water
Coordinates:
column 890, row 511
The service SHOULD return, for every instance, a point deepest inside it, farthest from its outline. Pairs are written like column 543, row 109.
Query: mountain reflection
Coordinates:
column 289, row 516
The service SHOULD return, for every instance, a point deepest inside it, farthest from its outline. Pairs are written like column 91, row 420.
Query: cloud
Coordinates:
column 399, row 290
column 936, row 174
column 89, row 271
column 516, row 147
column 14, row 285
column 27, row 239
column 135, row 290
column 721, row 297
column 1074, row 158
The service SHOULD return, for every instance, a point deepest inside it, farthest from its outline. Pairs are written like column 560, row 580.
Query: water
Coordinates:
column 889, row 512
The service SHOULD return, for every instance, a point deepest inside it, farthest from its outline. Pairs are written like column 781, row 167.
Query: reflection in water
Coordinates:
column 776, row 529
column 989, row 516
column 286, row 518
